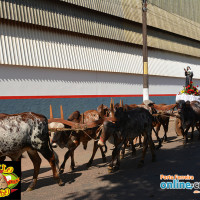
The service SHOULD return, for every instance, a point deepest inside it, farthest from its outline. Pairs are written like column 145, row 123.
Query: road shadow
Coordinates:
column 49, row 180
column 131, row 182
column 29, row 173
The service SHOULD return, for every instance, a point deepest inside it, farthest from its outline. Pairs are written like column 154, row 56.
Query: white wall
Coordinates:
column 32, row 81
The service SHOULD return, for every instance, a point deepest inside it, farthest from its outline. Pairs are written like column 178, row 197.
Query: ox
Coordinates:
column 27, row 132
column 72, row 138
column 128, row 125
column 189, row 113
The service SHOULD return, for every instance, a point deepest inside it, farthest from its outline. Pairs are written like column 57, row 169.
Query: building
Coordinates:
column 79, row 53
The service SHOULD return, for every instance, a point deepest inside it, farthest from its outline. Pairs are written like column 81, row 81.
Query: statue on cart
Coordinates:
column 189, row 75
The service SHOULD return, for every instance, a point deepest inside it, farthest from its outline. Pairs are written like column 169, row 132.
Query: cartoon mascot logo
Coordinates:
column 8, row 181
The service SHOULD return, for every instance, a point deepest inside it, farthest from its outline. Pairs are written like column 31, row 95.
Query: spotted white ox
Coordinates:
column 27, row 132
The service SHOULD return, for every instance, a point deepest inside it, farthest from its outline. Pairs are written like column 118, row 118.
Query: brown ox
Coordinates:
column 27, row 132
column 72, row 139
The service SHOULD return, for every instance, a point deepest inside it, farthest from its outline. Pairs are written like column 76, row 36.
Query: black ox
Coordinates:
column 189, row 114
column 127, row 126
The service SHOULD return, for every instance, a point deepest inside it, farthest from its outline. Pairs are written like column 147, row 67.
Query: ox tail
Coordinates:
column 55, row 154
column 56, row 159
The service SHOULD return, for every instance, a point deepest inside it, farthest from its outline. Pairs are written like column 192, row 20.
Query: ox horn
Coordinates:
column 112, row 107
column 123, row 106
column 120, row 103
column 51, row 112
column 61, row 112
column 111, row 104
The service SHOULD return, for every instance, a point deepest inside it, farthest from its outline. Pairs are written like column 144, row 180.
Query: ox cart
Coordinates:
column 74, row 126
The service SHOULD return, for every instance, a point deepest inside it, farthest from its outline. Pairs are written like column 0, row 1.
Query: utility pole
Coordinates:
column 145, row 53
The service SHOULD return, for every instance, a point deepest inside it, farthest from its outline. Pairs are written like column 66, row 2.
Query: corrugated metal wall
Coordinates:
column 64, row 16
column 32, row 47
column 131, row 10
column 185, row 8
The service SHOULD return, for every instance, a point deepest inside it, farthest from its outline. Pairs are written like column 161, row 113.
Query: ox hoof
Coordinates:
column 165, row 138
column 61, row 170
column 110, row 169
column 104, row 160
column 121, row 157
column 72, row 168
column 61, row 183
column 29, row 189
column 140, row 164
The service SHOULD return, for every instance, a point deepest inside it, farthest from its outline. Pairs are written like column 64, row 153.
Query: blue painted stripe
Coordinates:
column 41, row 106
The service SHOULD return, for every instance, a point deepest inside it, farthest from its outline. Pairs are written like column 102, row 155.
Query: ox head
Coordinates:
column 103, row 110
column 107, row 131
column 65, row 139
column 75, row 117
column 182, row 105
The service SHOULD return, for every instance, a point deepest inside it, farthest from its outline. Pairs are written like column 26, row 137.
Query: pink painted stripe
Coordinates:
column 79, row 96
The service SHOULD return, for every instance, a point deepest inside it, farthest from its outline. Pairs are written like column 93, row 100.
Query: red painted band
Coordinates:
column 79, row 96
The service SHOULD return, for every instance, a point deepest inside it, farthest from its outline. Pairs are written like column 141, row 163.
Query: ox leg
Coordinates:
column 152, row 147
column 52, row 158
column 140, row 141
column 122, row 153
column 69, row 153
column 158, row 138
column 95, row 147
column 115, row 157
column 103, row 153
column 165, row 127
column 133, row 148
column 185, row 136
column 72, row 161
column 145, row 146
column 36, row 160
column 192, row 134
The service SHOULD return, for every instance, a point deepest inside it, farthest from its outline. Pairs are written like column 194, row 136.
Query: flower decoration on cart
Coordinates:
column 190, row 90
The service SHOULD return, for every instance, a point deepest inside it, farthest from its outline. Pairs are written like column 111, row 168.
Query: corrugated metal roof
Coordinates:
column 31, row 47
column 75, row 19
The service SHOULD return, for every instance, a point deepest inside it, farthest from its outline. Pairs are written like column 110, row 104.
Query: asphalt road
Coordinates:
column 128, row 183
